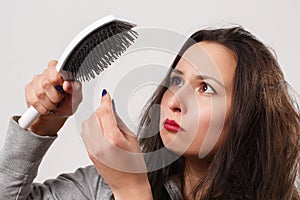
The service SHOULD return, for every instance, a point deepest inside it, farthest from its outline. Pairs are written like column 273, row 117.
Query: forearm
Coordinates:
column 47, row 126
column 19, row 160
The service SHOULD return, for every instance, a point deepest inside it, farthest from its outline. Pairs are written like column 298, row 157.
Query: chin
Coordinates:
column 173, row 143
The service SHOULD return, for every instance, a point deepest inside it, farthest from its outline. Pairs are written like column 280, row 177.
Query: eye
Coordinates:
column 176, row 81
column 206, row 88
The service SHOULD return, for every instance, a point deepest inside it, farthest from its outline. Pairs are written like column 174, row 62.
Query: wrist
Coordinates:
column 47, row 127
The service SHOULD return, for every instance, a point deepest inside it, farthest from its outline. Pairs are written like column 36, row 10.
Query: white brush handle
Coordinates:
column 28, row 117
column 32, row 114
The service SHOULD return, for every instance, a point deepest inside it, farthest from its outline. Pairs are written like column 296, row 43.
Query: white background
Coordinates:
column 33, row 32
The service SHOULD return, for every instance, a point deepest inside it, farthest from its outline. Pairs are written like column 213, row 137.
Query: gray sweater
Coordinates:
column 20, row 158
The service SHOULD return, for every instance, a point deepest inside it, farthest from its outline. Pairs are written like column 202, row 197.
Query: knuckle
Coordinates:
column 40, row 94
column 98, row 112
column 35, row 103
column 114, row 146
column 45, row 84
column 115, row 140
column 104, row 109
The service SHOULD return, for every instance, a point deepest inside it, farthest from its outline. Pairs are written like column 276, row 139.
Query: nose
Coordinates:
column 176, row 102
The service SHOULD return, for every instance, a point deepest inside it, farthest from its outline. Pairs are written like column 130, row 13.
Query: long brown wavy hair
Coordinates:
column 259, row 158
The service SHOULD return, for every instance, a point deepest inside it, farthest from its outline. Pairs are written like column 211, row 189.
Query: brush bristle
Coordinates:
column 99, row 50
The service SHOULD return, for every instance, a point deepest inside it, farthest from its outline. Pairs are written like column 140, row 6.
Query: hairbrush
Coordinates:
column 95, row 48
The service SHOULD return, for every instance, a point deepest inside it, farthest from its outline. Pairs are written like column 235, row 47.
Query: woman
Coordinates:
column 226, row 126
column 259, row 156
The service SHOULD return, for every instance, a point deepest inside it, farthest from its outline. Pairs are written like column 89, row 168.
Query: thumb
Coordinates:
column 68, row 87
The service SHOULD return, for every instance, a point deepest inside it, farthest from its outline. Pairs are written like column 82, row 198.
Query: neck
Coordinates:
column 195, row 168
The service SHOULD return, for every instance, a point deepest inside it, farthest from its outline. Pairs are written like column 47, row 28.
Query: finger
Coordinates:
column 106, row 116
column 68, row 87
column 40, row 94
column 28, row 94
column 52, row 63
column 92, row 135
column 72, row 98
column 55, row 78
column 32, row 100
column 72, row 86
column 51, row 92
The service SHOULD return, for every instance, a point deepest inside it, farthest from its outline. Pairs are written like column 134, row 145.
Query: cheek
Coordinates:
column 210, row 140
column 209, row 132
column 197, row 130
column 196, row 125
column 202, row 130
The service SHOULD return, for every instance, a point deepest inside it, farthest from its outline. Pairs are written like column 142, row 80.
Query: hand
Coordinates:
column 116, row 153
column 44, row 97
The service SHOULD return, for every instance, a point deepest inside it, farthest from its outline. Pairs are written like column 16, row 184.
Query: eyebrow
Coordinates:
column 201, row 77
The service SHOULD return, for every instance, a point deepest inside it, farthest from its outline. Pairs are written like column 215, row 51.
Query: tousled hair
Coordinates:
column 259, row 157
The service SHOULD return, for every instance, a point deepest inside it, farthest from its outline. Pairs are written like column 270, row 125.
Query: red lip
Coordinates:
column 172, row 126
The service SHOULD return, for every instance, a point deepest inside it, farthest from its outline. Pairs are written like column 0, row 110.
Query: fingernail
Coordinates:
column 113, row 105
column 59, row 88
column 104, row 92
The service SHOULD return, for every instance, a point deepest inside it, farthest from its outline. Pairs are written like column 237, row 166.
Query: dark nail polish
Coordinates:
column 59, row 88
column 104, row 92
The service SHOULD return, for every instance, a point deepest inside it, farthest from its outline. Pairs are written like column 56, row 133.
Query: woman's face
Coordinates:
column 195, row 107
